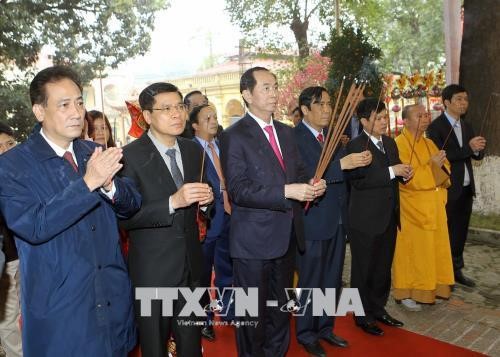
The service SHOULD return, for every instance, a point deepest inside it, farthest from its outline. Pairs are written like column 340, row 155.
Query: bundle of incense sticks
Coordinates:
column 337, row 127
column 335, row 133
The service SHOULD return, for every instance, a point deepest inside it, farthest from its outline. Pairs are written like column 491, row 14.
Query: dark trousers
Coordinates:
column 458, row 212
column 320, row 266
column 272, row 335
column 155, row 330
column 371, row 269
column 216, row 257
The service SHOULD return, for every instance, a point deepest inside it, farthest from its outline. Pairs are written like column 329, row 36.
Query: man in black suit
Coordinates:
column 374, row 214
column 266, row 182
column 322, row 262
column 457, row 138
column 164, row 247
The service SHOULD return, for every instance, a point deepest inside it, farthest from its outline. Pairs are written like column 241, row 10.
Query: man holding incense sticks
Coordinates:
column 266, row 182
column 422, row 269
column 320, row 264
column 456, row 137
column 374, row 215
column 164, row 249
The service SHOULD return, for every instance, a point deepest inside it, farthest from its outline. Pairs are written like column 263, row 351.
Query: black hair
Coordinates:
column 38, row 92
column 193, row 116
column 367, row 106
column 187, row 101
column 450, row 90
column 309, row 96
column 248, row 81
column 92, row 116
column 5, row 129
column 147, row 96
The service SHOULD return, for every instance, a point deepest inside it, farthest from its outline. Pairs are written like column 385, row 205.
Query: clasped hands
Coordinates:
column 403, row 170
column 102, row 166
column 189, row 193
column 305, row 191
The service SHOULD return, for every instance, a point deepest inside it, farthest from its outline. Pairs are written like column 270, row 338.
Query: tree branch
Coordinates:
column 312, row 11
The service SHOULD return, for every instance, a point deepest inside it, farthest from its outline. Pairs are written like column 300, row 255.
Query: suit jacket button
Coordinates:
column 92, row 228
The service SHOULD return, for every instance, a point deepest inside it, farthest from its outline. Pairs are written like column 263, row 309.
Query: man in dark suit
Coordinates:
column 164, row 249
column 457, row 138
column 321, row 263
column 374, row 215
column 263, row 171
column 215, row 247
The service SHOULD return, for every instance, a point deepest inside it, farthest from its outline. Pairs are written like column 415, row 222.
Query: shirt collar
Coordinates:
column 58, row 150
column 372, row 138
column 205, row 143
column 313, row 131
column 261, row 122
column 162, row 148
column 452, row 120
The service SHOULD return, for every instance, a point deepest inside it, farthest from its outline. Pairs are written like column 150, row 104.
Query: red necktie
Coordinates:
column 69, row 157
column 274, row 145
column 218, row 168
column 321, row 139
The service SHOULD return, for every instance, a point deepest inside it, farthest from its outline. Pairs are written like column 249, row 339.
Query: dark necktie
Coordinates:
column 174, row 169
column 69, row 157
column 381, row 146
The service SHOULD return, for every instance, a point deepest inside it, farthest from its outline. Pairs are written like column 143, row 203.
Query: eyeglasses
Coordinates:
column 168, row 109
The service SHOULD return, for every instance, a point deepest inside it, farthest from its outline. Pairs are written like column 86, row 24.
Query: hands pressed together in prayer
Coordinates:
column 305, row 191
column 102, row 167
column 189, row 193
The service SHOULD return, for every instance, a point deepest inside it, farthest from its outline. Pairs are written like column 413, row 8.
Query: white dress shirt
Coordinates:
column 457, row 128
column 375, row 142
column 262, row 125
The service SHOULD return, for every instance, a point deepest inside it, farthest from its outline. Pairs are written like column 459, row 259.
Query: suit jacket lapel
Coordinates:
column 262, row 144
column 209, row 166
column 154, row 158
column 83, row 151
column 190, row 171
column 449, row 128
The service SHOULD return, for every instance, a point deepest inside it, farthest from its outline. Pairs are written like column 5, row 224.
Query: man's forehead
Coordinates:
column 460, row 95
column 264, row 77
column 5, row 137
column 168, row 98
column 324, row 96
column 418, row 109
column 197, row 97
column 64, row 89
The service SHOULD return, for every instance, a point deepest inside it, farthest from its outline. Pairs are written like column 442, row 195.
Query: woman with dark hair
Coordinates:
column 87, row 125
column 100, row 129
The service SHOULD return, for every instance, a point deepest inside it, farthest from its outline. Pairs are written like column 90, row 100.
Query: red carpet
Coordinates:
column 395, row 342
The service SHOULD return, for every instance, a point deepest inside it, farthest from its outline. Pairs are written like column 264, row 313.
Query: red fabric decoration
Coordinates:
column 138, row 123
column 201, row 220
